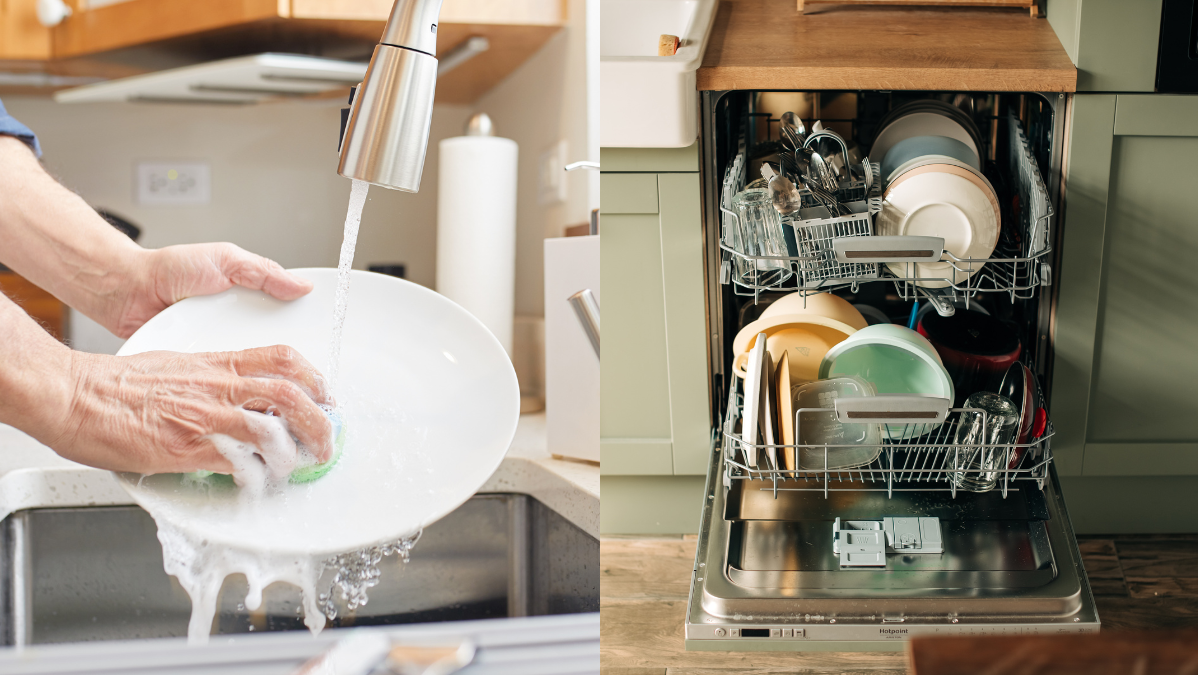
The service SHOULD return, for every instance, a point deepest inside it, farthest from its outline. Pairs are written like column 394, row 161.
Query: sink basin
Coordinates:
column 79, row 574
column 646, row 100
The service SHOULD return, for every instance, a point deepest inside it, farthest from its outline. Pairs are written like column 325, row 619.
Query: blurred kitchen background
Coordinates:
column 274, row 189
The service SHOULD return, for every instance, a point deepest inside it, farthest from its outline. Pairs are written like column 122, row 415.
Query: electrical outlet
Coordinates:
column 170, row 183
column 552, row 175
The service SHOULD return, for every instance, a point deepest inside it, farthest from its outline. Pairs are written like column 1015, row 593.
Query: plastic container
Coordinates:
column 818, row 428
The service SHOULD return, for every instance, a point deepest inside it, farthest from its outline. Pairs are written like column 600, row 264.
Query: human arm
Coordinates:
column 54, row 239
column 154, row 412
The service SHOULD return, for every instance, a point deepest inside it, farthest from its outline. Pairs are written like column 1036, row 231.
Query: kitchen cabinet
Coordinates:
column 654, row 414
column 1125, row 370
column 335, row 28
column 1113, row 43
column 44, row 308
column 21, row 36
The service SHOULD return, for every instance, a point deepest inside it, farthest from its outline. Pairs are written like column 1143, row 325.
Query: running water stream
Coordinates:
column 358, row 198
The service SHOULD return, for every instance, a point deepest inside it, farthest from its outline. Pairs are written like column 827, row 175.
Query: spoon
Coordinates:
column 784, row 196
column 793, row 129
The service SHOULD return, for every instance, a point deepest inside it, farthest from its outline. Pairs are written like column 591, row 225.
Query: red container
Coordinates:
column 976, row 349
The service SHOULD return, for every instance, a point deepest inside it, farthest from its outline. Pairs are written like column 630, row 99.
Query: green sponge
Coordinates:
column 307, row 474
column 303, row 474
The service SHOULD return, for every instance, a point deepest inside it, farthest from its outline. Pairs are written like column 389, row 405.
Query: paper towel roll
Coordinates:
column 477, row 228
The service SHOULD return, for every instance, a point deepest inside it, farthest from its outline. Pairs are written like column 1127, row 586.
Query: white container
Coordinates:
column 646, row 100
column 477, row 229
column 572, row 369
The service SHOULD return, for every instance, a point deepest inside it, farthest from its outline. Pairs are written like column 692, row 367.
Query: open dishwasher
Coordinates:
column 813, row 555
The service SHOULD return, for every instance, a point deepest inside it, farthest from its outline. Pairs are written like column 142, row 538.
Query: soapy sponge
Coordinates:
column 311, row 472
column 303, row 474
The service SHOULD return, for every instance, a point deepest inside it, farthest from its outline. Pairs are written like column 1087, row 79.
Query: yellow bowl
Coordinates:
column 805, row 346
column 812, row 325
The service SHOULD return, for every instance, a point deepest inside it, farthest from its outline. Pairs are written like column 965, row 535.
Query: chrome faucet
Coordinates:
column 388, row 128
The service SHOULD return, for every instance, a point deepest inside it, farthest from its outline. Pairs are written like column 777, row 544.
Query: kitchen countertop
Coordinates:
column 33, row 476
column 767, row 44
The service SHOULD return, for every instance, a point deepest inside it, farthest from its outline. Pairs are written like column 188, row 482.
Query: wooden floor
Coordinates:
column 1139, row 582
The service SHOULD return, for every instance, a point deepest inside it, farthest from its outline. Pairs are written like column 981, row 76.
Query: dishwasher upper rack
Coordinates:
column 903, row 465
column 1017, row 275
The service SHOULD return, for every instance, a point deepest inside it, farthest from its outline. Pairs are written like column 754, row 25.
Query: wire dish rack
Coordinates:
column 912, row 457
column 827, row 259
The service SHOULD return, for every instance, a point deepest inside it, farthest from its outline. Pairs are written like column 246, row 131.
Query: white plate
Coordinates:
column 933, row 159
column 949, row 165
column 752, row 399
column 940, row 205
column 919, row 124
column 429, row 397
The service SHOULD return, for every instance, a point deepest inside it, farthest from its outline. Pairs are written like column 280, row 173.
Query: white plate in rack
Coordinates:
column 429, row 397
column 919, row 124
column 938, row 204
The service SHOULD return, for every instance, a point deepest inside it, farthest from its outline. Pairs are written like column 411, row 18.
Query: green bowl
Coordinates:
column 896, row 360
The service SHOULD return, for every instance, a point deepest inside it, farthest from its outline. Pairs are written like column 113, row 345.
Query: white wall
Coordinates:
column 544, row 101
column 275, row 188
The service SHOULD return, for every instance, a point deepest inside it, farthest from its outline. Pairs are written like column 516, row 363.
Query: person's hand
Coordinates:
column 167, row 275
column 156, row 412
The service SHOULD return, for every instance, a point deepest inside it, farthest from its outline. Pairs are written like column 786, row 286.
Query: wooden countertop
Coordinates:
column 767, row 44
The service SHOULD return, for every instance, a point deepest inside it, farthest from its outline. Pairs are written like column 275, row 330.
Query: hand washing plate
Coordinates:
column 414, row 366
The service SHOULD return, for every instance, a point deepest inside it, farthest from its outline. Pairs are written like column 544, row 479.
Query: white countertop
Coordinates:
column 33, row 476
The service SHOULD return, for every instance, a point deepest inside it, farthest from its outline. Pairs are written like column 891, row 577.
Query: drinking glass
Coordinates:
column 981, row 441
column 762, row 235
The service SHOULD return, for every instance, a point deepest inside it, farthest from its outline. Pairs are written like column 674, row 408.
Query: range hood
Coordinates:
column 245, row 80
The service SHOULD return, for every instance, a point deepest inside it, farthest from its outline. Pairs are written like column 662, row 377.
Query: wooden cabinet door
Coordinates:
column 1125, row 370
column 21, row 36
column 44, row 308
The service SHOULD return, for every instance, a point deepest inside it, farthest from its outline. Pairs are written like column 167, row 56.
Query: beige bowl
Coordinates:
column 803, row 345
column 803, row 327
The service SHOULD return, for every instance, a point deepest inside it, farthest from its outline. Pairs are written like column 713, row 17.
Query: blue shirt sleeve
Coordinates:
column 9, row 126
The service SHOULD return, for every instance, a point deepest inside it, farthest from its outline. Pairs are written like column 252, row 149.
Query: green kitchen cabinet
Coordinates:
column 1113, row 43
column 1123, row 395
column 654, row 411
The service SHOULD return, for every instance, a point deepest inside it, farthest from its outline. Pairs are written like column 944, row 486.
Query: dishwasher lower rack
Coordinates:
column 911, row 457
column 844, row 252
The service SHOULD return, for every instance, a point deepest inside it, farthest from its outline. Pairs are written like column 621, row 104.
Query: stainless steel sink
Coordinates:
column 69, row 575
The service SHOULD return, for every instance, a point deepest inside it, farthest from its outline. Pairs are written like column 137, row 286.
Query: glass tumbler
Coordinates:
column 762, row 235
column 982, row 440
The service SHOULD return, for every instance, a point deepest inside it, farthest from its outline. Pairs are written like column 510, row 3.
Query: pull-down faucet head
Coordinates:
column 388, row 129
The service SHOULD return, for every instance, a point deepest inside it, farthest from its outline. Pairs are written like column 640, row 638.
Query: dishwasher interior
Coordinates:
column 799, row 552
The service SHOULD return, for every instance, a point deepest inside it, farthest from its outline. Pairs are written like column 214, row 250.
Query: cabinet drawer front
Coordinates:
column 628, row 193
column 651, row 159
